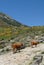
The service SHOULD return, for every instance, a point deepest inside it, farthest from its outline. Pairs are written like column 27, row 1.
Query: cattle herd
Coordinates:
column 19, row 45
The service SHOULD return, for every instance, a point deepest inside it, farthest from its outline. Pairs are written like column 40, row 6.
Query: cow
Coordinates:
column 17, row 46
column 34, row 43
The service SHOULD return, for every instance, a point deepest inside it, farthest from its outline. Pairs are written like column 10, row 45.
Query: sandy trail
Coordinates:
column 23, row 58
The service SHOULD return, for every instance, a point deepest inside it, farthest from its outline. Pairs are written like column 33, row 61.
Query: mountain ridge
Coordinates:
column 8, row 20
column 11, row 28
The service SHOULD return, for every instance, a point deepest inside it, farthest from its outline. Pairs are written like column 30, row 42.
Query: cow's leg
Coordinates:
column 14, row 50
column 32, row 46
column 18, row 49
column 36, row 45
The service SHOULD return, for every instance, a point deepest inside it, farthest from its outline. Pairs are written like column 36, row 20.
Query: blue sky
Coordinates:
column 28, row 12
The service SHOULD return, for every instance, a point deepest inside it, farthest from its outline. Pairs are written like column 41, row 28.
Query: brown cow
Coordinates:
column 17, row 46
column 34, row 43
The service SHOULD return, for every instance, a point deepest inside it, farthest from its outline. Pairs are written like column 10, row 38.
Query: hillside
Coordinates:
column 13, row 31
column 8, row 21
column 10, row 28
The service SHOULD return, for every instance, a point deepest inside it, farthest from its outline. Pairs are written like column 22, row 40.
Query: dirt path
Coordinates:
column 23, row 58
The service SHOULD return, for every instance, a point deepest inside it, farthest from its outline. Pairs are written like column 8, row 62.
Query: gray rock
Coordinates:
column 37, row 60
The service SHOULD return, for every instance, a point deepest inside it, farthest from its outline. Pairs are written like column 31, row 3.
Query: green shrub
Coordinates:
column 42, row 52
column 1, row 47
column 7, row 49
column 3, row 50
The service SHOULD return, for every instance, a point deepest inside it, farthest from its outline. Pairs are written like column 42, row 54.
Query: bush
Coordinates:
column 3, row 50
column 7, row 49
column 42, row 52
column 1, row 47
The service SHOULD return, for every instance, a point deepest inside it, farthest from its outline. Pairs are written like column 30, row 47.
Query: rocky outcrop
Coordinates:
column 37, row 60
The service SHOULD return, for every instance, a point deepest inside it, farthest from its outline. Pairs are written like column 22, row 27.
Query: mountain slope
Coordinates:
column 10, row 27
column 7, row 20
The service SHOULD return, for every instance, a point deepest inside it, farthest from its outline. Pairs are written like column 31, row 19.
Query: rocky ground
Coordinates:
column 25, row 57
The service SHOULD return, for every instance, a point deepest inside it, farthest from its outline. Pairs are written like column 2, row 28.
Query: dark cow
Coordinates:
column 17, row 46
